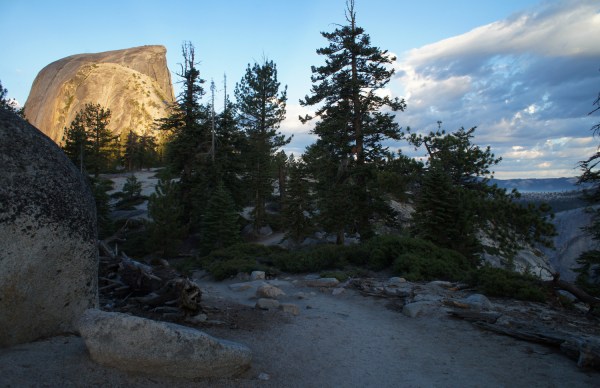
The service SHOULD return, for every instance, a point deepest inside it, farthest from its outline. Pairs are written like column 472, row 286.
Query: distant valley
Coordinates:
column 538, row 185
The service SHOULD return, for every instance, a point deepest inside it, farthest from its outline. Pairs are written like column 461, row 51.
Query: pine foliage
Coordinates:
column 166, row 211
column 261, row 108
column 352, row 122
column 220, row 227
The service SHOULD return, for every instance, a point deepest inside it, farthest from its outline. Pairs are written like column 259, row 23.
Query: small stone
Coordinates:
column 441, row 283
column 238, row 287
column 300, row 295
column 200, row 318
column 290, row 308
column 311, row 277
column 415, row 309
column 267, row 304
column 395, row 281
column 268, row 291
column 323, row 282
column 264, row 376
column 257, row 275
column 478, row 301
column 166, row 310
column 338, row 291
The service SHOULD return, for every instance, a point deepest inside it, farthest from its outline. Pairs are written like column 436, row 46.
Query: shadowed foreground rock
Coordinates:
column 48, row 246
column 137, row 344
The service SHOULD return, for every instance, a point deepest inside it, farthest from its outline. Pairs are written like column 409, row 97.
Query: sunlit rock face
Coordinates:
column 48, row 238
column 135, row 84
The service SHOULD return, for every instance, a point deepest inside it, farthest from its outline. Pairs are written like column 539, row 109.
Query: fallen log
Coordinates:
column 585, row 350
column 476, row 316
column 149, row 287
column 558, row 283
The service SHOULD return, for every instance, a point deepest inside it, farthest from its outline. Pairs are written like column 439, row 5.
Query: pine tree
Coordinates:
column 132, row 189
column 229, row 160
column 261, row 109
column 166, row 211
column 100, row 138
column 352, row 122
column 131, row 149
column 75, row 142
column 8, row 104
column 189, row 138
column 589, row 261
column 220, row 223
column 456, row 200
column 88, row 141
column 298, row 207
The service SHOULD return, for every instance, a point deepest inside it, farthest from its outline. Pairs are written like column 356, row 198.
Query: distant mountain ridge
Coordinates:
column 538, row 185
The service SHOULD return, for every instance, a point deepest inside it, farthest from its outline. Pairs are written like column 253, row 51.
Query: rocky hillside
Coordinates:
column 135, row 84
column 571, row 241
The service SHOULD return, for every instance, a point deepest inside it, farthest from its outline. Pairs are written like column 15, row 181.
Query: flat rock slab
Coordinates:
column 137, row 344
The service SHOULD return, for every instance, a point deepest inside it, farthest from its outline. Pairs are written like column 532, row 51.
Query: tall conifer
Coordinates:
column 352, row 124
column 261, row 109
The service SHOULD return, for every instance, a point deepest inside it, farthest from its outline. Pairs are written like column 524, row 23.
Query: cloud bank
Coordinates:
column 526, row 82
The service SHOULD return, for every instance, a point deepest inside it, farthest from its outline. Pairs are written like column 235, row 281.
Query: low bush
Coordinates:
column 503, row 283
column 315, row 259
column 422, row 260
column 228, row 262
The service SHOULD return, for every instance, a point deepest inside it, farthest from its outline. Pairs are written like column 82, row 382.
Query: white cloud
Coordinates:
column 526, row 82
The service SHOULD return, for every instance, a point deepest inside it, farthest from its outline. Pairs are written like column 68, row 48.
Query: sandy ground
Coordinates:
column 346, row 340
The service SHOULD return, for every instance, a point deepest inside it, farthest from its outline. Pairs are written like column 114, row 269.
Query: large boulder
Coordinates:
column 134, row 83
column 48, row 247
column 141, row 345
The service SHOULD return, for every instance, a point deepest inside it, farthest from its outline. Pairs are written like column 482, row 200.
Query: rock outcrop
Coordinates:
column 570, row 241
column 48, row 249
column 135, row 84
column 152, row 347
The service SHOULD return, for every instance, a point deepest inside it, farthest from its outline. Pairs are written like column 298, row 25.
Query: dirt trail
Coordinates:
column 336, row 341
column 355, row 341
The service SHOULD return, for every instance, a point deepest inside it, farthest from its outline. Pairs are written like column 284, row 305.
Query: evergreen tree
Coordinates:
column 333, row 188
column 456, row 200
column 100, row 188
column 88, row 142
column 589, row 261
column 189, row 139
column 140, row 151
column 166, row 211
column 352, row 122
column 220, row 227
column 261, row 109
column 6, row 103
column 298, row 208
column 132, row 189
column 229, row 163
column 100, row 138
column 75, row 142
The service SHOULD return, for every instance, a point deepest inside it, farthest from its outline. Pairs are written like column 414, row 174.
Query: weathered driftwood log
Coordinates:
column 580, row 294
column 476, row 316
column 155, row 287
column 586, row 350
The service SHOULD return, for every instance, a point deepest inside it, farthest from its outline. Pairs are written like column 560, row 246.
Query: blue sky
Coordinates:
column 524, row 72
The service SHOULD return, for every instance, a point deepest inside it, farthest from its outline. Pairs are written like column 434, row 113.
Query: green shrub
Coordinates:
column 221, row 270
column 503, row 283
column 228, row 262
column 315, row 259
